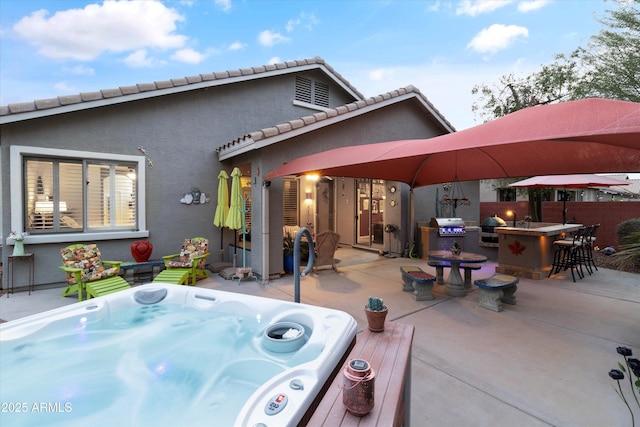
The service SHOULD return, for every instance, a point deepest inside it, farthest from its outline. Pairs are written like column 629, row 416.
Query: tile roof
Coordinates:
column 63, row 104
column 259, row 138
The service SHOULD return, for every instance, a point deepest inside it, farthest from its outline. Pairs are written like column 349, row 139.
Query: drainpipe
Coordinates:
column 265, row 231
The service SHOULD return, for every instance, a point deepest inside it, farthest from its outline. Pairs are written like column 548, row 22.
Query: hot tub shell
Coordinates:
column 285, row 397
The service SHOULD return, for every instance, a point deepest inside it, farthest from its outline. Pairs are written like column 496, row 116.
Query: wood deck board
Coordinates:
column 389, row 354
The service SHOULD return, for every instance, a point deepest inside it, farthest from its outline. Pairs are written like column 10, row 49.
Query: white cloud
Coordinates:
column 188, row 56
column 237, row 46
column 64, row 87
column 274, row 60
column 306, row 20
column 268, row 38
column 224, row 4
column 111, row 27
column 531, row 5
column 139, row 59
column 477, row 7
column 81, row 70
column 497, row 37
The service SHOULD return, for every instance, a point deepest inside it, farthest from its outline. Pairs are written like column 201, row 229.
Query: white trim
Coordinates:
column 311, row 106
column 17, row 191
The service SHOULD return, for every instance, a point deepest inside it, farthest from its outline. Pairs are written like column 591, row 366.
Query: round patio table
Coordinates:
column 455, row 283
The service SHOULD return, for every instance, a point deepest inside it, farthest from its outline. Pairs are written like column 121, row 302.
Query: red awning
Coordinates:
column 585, row 136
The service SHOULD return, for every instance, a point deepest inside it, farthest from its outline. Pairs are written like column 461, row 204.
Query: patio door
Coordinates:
column 370, row 196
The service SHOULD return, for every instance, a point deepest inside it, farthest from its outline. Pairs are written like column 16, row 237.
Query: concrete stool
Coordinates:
column 467, row 273
column 416, row 280
column 440, row 266
column 176, row 276
column 497, row 289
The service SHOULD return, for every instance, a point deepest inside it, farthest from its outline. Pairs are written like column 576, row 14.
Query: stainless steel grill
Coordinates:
column 448, row 227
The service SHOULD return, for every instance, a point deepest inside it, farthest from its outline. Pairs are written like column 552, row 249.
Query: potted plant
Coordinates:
column 376, row 313
column 287, row 252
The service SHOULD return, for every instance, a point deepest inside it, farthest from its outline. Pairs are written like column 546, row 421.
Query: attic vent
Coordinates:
column 321, row 97
column 312, row 92
column 303, row 90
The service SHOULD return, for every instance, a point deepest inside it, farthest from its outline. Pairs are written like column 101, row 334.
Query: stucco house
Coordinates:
column 117, row 165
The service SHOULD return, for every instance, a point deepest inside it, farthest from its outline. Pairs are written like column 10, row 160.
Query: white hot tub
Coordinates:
column 167, row 355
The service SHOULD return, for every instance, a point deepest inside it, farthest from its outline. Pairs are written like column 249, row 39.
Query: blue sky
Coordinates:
column 444, row 48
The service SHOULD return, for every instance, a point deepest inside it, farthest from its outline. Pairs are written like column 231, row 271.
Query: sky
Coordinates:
column 444, row 48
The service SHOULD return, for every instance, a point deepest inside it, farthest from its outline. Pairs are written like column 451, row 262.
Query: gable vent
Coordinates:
column 303, row 90
column 312, row 92
column 321, row 95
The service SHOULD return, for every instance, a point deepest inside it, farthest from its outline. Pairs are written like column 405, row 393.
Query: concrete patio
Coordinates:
column 542, row 362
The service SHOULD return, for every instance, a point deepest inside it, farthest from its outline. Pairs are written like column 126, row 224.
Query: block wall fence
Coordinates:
column 607, row 214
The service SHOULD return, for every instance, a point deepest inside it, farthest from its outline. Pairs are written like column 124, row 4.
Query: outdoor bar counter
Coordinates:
column 528, row 251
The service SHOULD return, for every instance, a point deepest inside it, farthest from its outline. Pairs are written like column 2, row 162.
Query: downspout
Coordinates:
column 265, row 231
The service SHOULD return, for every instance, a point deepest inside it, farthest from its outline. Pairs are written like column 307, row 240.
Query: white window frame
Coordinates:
column 16, row 167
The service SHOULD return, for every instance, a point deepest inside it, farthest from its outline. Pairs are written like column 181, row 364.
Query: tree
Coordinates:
column 611, row 62
column 608, row 68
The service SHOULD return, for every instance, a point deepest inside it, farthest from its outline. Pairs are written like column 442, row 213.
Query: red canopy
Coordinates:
column 585, row 136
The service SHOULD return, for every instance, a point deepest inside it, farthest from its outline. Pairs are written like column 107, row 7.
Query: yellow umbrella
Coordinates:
column 234, row 218
column 222, row 210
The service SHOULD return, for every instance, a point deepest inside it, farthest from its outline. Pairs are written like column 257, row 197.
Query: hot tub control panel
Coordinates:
column 276, row 404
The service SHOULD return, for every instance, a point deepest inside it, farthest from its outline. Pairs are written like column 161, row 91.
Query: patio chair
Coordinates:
column 326, row 245
column 192, row 258
column 87, row 273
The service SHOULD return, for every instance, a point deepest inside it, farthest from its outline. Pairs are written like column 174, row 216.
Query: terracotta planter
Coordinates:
column 141, row 250
column 376, row 319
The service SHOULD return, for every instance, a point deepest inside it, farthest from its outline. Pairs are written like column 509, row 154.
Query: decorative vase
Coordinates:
column 141, row 250
column 18, row 248
column 375, row 319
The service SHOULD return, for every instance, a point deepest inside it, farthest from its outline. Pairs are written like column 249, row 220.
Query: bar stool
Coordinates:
column 567, row 255
column 589, row 241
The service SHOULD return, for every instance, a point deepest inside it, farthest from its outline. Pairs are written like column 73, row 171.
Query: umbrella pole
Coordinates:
column 221, row 244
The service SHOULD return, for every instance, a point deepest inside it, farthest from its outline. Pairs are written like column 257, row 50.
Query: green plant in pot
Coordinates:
column 376, row 313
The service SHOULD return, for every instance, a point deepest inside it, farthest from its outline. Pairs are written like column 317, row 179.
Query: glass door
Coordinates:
column 370, row 195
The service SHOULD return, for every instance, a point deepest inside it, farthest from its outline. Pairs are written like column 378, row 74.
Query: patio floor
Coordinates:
column 542, row 362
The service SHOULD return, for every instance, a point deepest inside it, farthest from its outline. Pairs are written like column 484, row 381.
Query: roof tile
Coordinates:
column 166, row 84
column 91, row 96
column 129, row 90
column 146, row 87
column 46, row 104
column 70, row 99
column 22, row 107
column 43, row 104
column 111, row 93
column 179, row 82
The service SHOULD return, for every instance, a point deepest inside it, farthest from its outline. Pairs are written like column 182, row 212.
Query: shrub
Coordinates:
column 626, row 229
column 628, row 233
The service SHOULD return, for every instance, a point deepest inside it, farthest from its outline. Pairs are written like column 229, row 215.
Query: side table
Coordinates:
column 131, row 270
column 29, row 257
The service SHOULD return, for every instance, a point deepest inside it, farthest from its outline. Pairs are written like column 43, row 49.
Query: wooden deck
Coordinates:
column 389, row 354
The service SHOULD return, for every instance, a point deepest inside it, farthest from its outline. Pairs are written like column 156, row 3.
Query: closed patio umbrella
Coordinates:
column 568, row 181
column 234, row 219
column 222, row 209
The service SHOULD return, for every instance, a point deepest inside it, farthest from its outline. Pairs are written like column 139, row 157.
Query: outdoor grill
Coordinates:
column 448, row 227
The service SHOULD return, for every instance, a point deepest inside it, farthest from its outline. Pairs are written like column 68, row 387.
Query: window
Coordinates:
column 290, row 213
column 64, row 191
column 506, row 194
column 312, row 92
